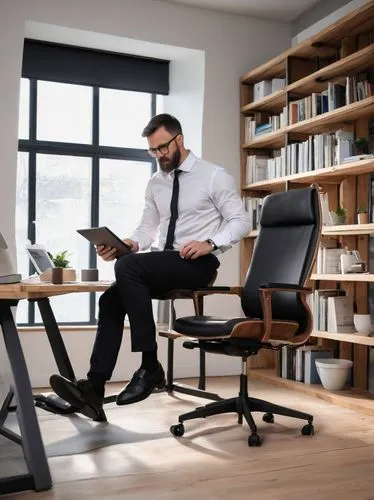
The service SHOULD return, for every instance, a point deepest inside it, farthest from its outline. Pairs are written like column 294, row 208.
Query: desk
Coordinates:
column 40, row 292
column 38, row 477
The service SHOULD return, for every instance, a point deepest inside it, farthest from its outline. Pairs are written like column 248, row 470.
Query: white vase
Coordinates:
column 362, row 323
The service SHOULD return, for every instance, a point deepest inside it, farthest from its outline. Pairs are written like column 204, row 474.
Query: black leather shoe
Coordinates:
column 81, row 395
column 141, row 385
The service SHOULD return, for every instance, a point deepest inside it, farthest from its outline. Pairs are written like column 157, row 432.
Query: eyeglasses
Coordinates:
column 162, row 149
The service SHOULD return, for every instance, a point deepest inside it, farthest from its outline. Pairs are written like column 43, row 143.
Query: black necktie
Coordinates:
column 169, row 245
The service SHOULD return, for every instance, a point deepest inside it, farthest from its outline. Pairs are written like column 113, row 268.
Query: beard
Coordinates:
column 167, row 165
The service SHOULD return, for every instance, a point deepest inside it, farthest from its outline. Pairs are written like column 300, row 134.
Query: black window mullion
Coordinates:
column 153, row 113
column 95, row 187
column 31, row 230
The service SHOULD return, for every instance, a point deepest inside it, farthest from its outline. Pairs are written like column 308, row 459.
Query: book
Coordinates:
column 340, row 314
column 349, row 159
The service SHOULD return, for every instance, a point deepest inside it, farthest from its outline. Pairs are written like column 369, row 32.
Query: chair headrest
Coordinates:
column 295, row 207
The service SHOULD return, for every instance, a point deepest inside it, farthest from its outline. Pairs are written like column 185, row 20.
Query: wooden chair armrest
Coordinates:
column 198, row 295
column 266, row 291
column 225, row 290
column 284, row 287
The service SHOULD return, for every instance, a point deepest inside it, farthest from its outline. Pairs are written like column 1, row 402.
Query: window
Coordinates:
column 81, row 163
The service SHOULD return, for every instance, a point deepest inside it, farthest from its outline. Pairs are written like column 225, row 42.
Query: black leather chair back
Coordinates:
column 284, row 251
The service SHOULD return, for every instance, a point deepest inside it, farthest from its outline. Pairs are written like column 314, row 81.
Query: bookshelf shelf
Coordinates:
column 347, row 229
column 353, row 399
column 348, row 113
column 331, row 174
column 362, row 277
column 272, row 140
column 273, row 102
column 359, row 61
column 345, row 337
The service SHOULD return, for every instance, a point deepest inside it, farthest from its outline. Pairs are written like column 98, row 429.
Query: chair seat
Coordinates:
column 212, row 327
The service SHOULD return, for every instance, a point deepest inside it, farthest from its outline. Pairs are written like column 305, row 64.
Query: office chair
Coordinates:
column 273, row 300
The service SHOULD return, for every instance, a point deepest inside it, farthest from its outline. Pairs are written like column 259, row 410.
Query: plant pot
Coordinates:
column 333, row 372
column 68, row 274
column 337, row 220
column 363, row 218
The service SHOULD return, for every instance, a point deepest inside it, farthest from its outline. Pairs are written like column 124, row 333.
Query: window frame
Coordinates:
column 96, row 152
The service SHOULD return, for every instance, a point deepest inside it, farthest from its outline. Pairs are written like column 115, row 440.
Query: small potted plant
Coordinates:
column 362, row 215
column 338, row 216
column 361, row 146
column 61, row 271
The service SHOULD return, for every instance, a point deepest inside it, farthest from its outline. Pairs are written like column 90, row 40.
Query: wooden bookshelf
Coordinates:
column 343, row 49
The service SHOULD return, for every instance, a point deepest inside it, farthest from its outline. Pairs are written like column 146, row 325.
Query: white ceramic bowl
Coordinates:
column 333, row 372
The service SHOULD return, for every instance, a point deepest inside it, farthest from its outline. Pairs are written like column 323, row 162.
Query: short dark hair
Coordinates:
column 169, row 122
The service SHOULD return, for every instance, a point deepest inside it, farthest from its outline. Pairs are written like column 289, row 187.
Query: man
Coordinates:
column 195, row 209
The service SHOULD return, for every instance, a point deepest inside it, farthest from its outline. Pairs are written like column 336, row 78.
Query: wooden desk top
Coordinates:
column 32, row 288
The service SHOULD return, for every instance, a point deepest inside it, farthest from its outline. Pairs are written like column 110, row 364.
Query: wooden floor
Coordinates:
column 212, row 461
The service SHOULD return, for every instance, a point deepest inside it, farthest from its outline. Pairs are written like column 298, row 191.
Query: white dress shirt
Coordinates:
column 209, row 207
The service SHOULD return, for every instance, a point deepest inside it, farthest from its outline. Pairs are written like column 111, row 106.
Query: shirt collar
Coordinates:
column 185, row 166
column 188, row 163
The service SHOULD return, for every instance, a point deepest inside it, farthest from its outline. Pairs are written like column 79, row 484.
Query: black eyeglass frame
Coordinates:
column 163, row 149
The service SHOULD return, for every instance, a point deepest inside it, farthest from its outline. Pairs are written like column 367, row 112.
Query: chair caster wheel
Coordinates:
column 254, row 440
column 307, row 430
column 177, row 430
column 268, row 418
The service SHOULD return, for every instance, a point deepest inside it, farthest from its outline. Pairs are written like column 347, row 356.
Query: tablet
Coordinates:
column 104, row 236
column 39, row 257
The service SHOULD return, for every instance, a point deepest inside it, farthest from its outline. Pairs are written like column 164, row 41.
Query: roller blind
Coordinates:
column 82, row 66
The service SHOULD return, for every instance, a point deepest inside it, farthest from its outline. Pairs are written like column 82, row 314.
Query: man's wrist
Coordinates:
column 212, row 244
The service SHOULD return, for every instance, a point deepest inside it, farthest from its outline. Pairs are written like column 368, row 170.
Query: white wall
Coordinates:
column 334, row 16
column 222, row 46
column 315, row 13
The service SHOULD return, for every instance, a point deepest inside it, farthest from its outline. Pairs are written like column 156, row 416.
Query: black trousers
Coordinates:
column 139, row 278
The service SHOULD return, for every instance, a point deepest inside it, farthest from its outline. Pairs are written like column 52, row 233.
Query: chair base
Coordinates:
column 244, row 405
column 192, row 391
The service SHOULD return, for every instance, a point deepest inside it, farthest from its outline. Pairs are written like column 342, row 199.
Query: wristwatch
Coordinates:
column 212, row 244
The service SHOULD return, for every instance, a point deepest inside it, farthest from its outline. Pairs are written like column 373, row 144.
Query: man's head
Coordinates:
column 165, row 140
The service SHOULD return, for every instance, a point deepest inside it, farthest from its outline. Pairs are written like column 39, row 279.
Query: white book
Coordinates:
column 340, row 314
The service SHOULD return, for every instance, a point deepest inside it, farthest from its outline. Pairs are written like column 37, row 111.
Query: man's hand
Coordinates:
column 109, row 253
column 194, row 249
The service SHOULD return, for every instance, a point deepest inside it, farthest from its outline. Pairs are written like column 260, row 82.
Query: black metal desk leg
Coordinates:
column 39, row 476
column 51, row 402
column 55, row 339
